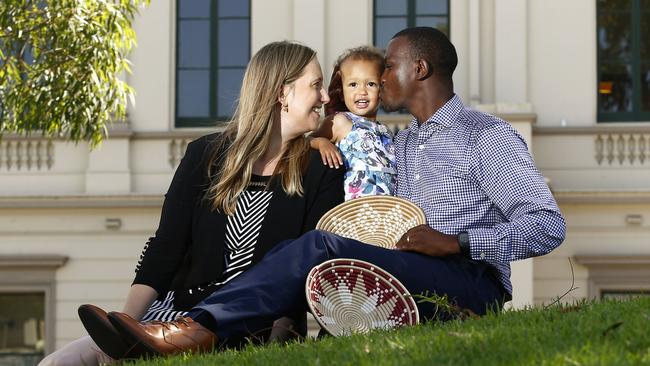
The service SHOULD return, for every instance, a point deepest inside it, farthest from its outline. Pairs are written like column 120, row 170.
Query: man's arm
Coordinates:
column 505, row 171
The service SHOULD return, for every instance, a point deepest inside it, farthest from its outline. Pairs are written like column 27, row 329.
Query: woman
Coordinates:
column 234, row 195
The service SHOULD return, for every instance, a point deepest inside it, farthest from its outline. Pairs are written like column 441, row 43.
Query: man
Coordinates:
column 485, row 202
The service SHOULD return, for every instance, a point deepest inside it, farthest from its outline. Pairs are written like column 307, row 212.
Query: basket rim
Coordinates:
column 390, row 280
column 376, row 200
column 395, row 283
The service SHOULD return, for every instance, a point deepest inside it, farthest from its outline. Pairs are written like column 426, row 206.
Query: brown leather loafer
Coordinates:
column 107, row 338
column 164, row 338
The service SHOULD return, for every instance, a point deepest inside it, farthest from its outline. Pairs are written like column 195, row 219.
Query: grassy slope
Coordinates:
column 608, row 333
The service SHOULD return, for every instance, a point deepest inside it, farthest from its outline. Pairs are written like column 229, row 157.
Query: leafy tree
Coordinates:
column 62, row 64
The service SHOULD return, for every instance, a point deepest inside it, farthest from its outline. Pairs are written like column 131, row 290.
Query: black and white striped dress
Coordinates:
column 242, row 232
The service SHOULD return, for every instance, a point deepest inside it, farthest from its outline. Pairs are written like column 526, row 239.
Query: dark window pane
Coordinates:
column 645, row 86
column 385, row 29
column 614, row 5
column 615, row 88
column 193, row 8
column 614, row 37
column 22, row 328
column 233, row 42
column 439, row 23
column 193, row 93
column 194, row 43
column 431, row 7
column 390, row 7
column 645, row 34
column 228, row 90
column 233, row 8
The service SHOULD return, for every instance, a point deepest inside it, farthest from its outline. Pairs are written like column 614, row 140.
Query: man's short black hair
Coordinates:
column 433, row 46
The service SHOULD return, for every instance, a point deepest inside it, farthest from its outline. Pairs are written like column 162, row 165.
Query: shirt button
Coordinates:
column 417, row 176
column 482, row 255
column 421, row 146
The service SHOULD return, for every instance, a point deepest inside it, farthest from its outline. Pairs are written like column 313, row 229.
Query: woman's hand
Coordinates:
column 425, row 240
column 328, row 152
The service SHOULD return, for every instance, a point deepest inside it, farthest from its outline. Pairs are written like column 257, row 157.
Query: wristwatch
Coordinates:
column 463, row 243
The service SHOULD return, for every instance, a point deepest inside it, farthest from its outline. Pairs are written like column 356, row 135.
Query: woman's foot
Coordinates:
column 164, row 338
column 107, row 338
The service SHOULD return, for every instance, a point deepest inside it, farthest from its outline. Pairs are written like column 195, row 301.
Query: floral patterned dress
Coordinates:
column 369, row 157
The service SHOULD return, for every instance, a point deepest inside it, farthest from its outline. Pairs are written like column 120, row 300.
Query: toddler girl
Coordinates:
column 366, row 146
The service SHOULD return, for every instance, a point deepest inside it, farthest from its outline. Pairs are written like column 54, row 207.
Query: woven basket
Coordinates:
column 350, row 296
column 376, row 220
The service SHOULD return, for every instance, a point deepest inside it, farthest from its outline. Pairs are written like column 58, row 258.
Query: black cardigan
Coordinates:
column 188, row 248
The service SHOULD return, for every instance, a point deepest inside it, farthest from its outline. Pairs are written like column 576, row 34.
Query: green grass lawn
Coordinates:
column 597, row 333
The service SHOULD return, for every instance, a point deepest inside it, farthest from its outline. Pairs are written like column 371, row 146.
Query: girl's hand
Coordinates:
column 328, row 152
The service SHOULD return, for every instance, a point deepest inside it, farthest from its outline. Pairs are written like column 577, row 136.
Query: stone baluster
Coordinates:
column 610, row 149
column 39, row 155
column 50, row 154
column 176, row 151
column 631, row 149
column 599, row 145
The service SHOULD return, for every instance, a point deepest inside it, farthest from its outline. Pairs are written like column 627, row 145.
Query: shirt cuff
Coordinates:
column 482, row 244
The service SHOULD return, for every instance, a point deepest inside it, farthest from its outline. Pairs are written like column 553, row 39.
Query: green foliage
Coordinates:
column 587, row 333
column 60, row 66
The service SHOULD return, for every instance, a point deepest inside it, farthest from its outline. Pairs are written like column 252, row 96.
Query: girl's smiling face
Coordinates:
column 360, row 79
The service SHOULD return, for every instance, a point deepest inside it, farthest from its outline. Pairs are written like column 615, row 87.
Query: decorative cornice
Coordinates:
column 185, row 133
column 82, row 201
column 518, row 117
column 602, row 197
column 155, row 200
column 609, row 260
column 123, row 130
column 51, row 261
column 617, row 128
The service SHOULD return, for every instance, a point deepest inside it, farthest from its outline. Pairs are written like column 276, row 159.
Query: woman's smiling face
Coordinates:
column 304, row 99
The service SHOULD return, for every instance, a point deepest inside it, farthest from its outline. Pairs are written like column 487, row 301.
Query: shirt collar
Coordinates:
column 443, row 117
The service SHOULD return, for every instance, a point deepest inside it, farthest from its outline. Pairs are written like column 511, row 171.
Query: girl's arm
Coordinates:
column 323, row 140
column 333, row 129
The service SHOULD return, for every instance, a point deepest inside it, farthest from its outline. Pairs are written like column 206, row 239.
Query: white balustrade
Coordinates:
column 26, row 155
column 614, row 148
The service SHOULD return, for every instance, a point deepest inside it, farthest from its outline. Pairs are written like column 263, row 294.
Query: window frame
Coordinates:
column 612, row 273
column 636, row 115
column 34, row 273
column 214, row 119
column 411, row 17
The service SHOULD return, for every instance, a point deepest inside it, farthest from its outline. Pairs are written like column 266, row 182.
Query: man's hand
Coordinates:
column 425, row 240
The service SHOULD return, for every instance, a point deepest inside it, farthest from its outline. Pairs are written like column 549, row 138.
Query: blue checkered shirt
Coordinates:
column 470, row 171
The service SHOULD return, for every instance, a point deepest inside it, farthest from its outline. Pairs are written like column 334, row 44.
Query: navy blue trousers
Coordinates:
column 275, row 286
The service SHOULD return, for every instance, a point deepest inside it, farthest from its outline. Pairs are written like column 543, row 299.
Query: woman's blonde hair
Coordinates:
column 249, row 132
